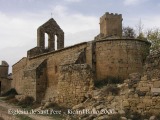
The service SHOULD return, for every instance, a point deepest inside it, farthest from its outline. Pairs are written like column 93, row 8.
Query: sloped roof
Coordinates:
column 34, row 65
column 50, row 24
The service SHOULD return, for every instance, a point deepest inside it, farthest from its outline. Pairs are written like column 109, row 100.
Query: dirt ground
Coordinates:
column 5, row 107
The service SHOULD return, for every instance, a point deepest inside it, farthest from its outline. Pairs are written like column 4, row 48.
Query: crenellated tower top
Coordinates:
column 111, row 25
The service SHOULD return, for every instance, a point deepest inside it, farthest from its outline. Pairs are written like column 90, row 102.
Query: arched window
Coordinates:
column 55, row 42
column 46, row 41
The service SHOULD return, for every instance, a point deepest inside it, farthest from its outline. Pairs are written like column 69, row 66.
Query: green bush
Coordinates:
column 1, row 118
column 112, row 89
column 136, row 116
column 147, row 115
column 11, row 92
column 158, row 116
column 28, row 101
column 115, row 117
column 108, row 80
column 24, row 117
column 12, row 101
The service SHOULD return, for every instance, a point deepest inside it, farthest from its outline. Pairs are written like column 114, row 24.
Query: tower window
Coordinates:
column 46, row 41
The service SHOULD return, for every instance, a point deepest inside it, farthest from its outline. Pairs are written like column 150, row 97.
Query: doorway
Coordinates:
column 0, row 87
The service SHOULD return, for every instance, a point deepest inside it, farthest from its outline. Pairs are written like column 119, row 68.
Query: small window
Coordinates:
column 56, row 69
column 55, row 42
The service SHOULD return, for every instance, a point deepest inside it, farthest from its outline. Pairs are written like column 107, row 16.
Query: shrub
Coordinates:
column 27, row 102
column 140, row 93
column 24, row 117
column 108, row 80
column 11, row 92
column 115, row 117
column 112, row 89
column 1, row 118
column 9, row 97
column 147, row 115
column 132, row 115
column 136, row 116
column 12, row 101
column 158, row 116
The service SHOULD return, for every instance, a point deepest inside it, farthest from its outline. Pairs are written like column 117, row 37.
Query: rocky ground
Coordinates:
column 137, row 98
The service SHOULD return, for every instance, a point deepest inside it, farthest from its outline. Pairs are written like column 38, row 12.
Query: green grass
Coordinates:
column 3, row 108
column 1, row 118
column 57, row 117
column 23, row 117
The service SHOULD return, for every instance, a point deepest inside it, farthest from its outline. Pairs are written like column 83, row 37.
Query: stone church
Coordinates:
column 64, row 74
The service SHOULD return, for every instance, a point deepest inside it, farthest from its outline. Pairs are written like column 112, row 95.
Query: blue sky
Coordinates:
column 19, row 20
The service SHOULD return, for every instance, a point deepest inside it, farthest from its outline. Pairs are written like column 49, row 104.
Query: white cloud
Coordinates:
column 15, row 31
column 147, row 21
column 77, row 27
column 81, row 36
column 73, row 23
column 151, row 21
column 133, row 2
column 73, row 0
column 18, row 32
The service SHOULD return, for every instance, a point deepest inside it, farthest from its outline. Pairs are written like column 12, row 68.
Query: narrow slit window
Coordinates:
column 56, row 69
column 55, row 42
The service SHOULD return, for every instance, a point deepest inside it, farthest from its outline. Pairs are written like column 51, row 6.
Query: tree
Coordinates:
column 139, row 31
column 153, row 35
column 128, row 32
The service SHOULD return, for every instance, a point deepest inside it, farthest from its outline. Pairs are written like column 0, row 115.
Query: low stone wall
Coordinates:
column 136, row 94
column 143, row 96
column 152, row 65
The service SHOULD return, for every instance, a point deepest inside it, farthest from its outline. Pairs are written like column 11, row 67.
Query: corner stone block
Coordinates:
column 155, row 90
column 144, row 89
column 156, row 84
column 125, row 103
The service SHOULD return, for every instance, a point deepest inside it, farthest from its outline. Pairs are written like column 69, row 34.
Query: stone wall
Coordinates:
column 120, row 57
column 17, row 70
column 35, row 80
column 73, row 83
column 55, row 59
column 25, row 78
